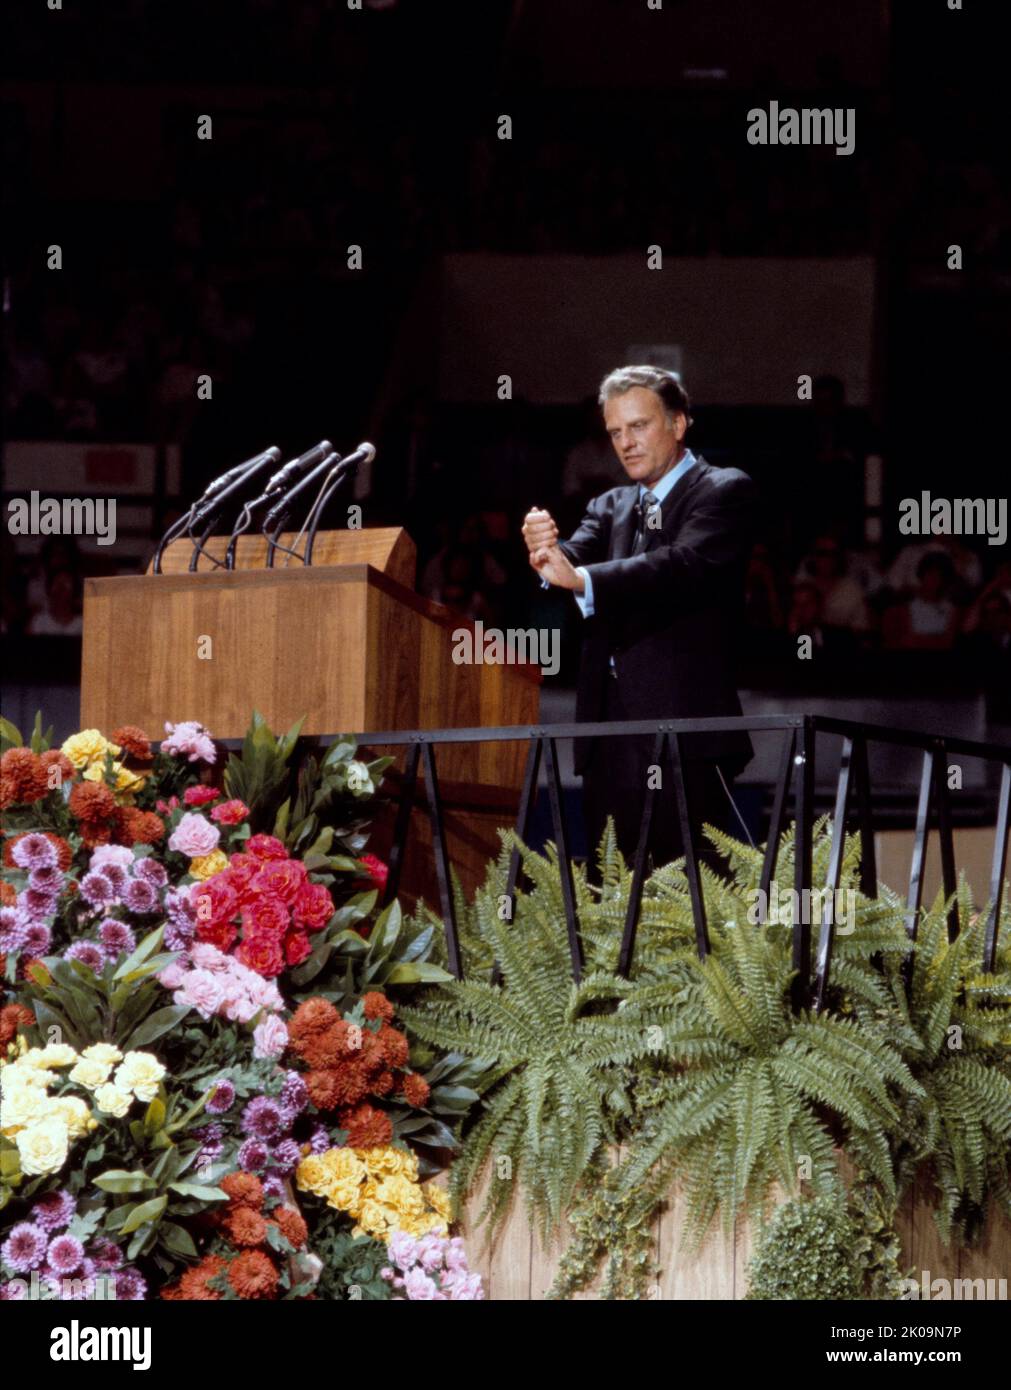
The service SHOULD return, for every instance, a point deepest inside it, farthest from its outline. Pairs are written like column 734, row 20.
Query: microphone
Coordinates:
column 222, row 488
column 280, row 480
column 281, row 508
column 271, row 455
column 348, row 465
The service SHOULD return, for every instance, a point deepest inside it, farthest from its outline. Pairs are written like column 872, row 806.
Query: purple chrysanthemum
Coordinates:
column 294, row 1095
column 12, row 929
column 252, row 1156
column 13, row 1291
column 34, row 851
column 96, row 889
column 54, row 1210
column 179, row 935
column 24, row 1248
column 287, row 1156
column 117, row 877
column 48, row 880
column 118, row 856
column 273, row 1184
column 261, row 1118
column 223, row 1097
column 38, row 903
column 36, row 939
column 320, row 1141
column 130, row 1286
column 87, row 953
column 65, row 1254
column 140, row 896
column 116, row 937
column 106, row 1254
column 152, row 871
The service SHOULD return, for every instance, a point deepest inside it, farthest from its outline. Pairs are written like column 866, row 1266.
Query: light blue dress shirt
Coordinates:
column 663, row 487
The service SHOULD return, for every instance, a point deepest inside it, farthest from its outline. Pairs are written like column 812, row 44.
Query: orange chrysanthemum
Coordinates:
column 324, row 1089
column 416, row 1089
column 243, row 1189
column 133, row 827
column 395, row 1046
column 133, row 741
column 252, row 1275
column 12, row 1018
column 53, row 757
column 293, row 1227
column 22, row 777
column 377, row 1005
column 244, row 1226
column 311, row 1018
column 91, row 802
column 195, row 1283
column 367, row 1127
column 382, row 1084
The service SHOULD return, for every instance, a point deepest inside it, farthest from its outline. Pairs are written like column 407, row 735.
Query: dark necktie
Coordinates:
column 643, row 509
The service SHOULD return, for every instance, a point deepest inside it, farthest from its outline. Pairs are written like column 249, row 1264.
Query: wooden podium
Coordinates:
column 346, row 643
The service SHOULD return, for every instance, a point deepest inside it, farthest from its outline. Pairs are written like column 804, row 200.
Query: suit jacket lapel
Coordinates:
column 624, row 525
column 672, row 505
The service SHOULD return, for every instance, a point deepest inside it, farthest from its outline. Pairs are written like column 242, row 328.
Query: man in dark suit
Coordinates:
column 657, row 569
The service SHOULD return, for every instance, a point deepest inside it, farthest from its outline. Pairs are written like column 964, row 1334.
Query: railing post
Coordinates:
column 944, row 834
column 688, row 845
column 777, row 818
column 454, row 958
column 528, row 798
column 564, row 863
column 639, row 871
column 865, row 819
column 998, row 870
column 803, row 840
column 398, row 849
column 826, row 936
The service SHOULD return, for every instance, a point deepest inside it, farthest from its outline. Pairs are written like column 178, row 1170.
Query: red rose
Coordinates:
column 230, row 813
column 221, row 934
column 297, row 947
column 265, row 847
column 261, row 951
column 200, row 796
column 242, row 868
column 313, row 906
column 265, row 914
column 280, row 878
column 377, row 871
column 214, row 900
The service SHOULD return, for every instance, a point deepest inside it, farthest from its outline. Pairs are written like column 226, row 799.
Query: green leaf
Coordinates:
column 146, row 948
column 144, row 1211
column 418, row 972
column 177, row 1239
column 199, row 1189
column 156, row 1024
column 9, row 734
column 154, row 1116
column 119, row 1180
column 385, row 933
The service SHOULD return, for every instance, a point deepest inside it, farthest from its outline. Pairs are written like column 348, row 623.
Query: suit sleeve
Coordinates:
column 588, row 543
column 716, row 536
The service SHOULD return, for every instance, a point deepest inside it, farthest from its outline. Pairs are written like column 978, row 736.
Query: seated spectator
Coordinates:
column 930, row 620
column 967, row 572
column 842, row 599
column 61, row 616
column 485, row 575
column 806, row 619
column 459, row 585
column 57, row 553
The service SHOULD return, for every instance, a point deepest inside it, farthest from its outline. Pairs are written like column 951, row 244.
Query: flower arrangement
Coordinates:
column 165, row 1076
column 433, row 1268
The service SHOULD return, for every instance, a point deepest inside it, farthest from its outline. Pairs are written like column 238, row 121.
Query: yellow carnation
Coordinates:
column 103, row 1052
column 438, row 1198
column 141, row 1073
column 113, row 1100
column 373, row 1218
column 312, row 1175
column 344, row 1194
column 55, row 1055
column 42, row 1147
column 207, row 865
column 73, row 1112
column 401, row 1194
column 21, row 1104
column 91, row 1073
column 87, row 747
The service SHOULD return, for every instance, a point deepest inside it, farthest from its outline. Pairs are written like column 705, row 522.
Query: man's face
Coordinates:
column 646, row 439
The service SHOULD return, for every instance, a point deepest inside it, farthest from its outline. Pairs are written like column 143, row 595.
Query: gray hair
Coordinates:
column 666, row 385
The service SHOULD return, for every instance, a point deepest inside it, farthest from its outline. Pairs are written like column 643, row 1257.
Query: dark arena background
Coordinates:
column 436, row 227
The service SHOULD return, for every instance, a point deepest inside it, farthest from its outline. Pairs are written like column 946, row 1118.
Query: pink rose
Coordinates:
column 270, row 1037
column 265, row 915
column 238, row 1007
column 281, row 878
column 313, row 907
column 172, row 976
column 202, row 991
column 207, row 957
column 194, row 836
column 230, row 813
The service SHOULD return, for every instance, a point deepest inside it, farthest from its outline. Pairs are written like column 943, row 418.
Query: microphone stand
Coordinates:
column 329, row 489
column 276, row 484
column 274, row 521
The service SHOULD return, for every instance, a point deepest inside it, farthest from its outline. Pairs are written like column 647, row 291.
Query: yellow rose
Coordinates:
column 74, row 1113
column 438, row 1198
column 141, row 1073
column 344, row 1163
column 401, row 1194
column 87, row 747
column 42, row 1147
column 344, row 1193
column 312, row 1175
column 373, row 1218
column 103, row 1052
column 113, row 1100
column 207, row 865
column 91, row 1073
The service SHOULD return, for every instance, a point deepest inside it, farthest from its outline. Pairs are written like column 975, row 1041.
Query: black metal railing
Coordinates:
column 796, row 769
